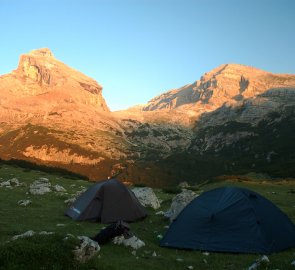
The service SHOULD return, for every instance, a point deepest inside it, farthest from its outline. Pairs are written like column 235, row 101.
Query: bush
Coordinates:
column 38, row 252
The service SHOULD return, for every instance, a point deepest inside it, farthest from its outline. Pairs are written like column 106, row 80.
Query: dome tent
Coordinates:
column 231, row 219
column 107, row 201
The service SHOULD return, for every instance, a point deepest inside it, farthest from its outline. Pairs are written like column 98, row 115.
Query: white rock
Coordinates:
column 43, row 179
column 24, row 202
column 206, row 253
column 179, row 202
column 190, row 267
column 74, row 198
column 293, row 263
column 46, row 233
column 24, row 235
column 258, row 262
column 133, row 242
column 159, row 236
column 14, row 182
column 59, row 188
column 40, row 187
column 265, row 259
column 146, row 197
column 254, row 266
column 86, row 250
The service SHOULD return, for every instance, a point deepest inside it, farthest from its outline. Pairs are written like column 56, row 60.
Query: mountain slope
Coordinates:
column 235, row 119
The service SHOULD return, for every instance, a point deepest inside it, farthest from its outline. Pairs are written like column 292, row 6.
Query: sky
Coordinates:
column 138, row 49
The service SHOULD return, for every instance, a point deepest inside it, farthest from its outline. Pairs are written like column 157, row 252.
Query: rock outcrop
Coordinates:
column 146, row 197
column 40, row 76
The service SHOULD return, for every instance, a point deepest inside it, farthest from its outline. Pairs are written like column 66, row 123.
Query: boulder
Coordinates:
column 179, row 202
column 146, row 197
column 133, row 242
column 40, row 186
column 86, row 250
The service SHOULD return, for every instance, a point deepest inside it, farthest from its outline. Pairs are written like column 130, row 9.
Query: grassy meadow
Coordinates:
column 46, row 213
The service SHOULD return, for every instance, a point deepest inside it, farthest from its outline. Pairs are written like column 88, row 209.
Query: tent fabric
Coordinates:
column 231, row 219
column 107, row 201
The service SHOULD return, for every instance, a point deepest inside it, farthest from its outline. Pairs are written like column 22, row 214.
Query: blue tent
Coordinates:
column 231, row 219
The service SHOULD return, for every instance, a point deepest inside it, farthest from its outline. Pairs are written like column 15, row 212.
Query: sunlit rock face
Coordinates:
column 42, row 81
column 227, row 84
column 53, row 115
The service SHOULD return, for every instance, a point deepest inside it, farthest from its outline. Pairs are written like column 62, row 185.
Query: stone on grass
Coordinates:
column 14, row 182
column 263, row 260
column 133, row 242
column 146, row 197
column 75, row 196
column 40, row 186
column 24, row 202
column 86, row 249
column 293, row 263
column 29, row 233
column 59, row 188
column 179, row 202
column 46, row 233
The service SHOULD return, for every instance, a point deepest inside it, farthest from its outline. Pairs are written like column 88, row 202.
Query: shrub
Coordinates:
column 38, row 252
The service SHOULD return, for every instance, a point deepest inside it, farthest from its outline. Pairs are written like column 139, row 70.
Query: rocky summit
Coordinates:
column 235, row 119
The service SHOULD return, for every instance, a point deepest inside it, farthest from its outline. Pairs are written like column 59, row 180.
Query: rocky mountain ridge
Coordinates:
column 230, row 84
column 53, row 115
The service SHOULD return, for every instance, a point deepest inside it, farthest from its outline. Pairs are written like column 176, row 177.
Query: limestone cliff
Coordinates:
column 41, row 79
column 226, row 84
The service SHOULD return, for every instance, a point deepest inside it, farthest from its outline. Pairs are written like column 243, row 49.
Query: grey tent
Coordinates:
column 107, row 201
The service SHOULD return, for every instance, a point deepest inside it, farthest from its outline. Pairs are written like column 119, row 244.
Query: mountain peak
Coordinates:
column 227, row 83
column 40, row 73
column 46, row 52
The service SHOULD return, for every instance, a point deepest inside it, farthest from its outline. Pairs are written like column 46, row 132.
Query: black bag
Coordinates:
column 113, row 230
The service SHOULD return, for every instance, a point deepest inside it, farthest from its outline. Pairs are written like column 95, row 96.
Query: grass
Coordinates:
column 51, row 252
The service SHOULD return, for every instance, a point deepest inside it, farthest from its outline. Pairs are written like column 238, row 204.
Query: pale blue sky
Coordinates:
column 138, row 49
